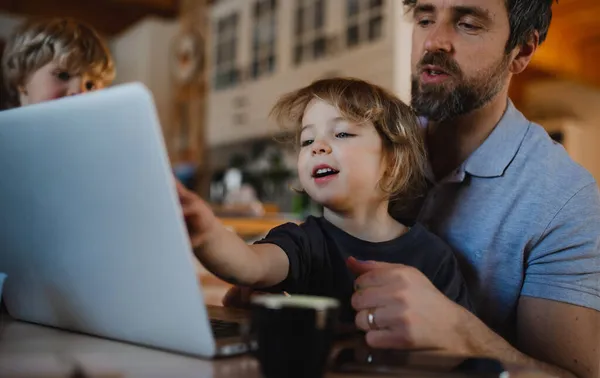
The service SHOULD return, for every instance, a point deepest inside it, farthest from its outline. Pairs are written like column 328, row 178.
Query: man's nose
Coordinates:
column 439, row 39
column 320, row 148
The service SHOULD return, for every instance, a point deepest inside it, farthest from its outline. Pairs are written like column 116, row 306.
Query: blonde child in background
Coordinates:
column 359, row 147
column 52, row 58
column 48, row 59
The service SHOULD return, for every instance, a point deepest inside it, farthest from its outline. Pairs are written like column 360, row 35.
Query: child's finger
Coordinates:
column 196, row 241
column 189, row 210
column 182, row 191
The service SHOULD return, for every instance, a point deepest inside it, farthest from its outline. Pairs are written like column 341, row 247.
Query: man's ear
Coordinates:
column 524, row 53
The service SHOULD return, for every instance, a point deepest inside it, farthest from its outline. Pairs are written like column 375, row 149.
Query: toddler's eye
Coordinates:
column 305, row 143
column 63, row 75
column 90, row 86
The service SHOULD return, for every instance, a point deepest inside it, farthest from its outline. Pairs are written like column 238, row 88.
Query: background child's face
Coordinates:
column 50, row 82
column 340, row 163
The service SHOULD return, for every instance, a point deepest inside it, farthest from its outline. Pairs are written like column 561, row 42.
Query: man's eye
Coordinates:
column 64, row 76
column 305, row 143
column 469, row 27
column 424, row 22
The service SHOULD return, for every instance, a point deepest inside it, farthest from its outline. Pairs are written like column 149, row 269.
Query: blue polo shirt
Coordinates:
column 523, row 219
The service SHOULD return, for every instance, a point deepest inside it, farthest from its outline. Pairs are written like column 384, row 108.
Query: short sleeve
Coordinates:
column 294, row 241
column 565, row 264
column 450, row 281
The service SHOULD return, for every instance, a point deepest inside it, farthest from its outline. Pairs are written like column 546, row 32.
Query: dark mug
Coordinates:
column 294, row 334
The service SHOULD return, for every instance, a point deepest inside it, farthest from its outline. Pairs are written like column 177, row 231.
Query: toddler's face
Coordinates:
column 340, row 162
column 51, row 82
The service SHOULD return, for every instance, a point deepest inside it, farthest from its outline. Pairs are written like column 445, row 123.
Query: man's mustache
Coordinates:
column 441, row 60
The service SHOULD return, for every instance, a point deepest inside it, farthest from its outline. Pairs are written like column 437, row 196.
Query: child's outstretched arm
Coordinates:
column 224, row 253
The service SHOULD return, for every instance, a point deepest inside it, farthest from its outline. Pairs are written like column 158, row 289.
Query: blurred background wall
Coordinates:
column 216, row 67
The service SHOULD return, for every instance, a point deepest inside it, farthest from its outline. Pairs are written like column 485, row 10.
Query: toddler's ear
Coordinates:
column 23, row 95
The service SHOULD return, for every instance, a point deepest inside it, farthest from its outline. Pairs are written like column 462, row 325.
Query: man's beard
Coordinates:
column 441, row 102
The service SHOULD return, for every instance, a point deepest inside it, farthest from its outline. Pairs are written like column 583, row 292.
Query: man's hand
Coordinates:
column 199, row 217
column 408, row 311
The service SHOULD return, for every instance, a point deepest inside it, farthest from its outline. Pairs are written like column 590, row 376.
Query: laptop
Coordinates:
column 92, row 236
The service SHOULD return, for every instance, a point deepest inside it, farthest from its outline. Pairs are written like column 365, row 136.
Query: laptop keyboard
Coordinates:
column 222, row 328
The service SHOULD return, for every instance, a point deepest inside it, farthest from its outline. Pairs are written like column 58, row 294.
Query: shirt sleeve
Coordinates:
column 450, row 281
column 565, row 264
column 294, row 241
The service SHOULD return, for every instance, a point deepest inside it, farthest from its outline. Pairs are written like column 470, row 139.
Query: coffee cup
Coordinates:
column 294, row 334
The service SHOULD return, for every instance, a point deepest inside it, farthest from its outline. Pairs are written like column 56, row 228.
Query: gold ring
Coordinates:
column 371, row 320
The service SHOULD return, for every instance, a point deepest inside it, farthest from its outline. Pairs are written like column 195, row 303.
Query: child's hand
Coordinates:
column 199, row 217
column 224, row 253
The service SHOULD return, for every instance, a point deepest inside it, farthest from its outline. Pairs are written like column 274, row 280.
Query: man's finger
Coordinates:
column 377, row 296
column 382, row 277
column 384, row 317
column 389, row 339
column 359, row 267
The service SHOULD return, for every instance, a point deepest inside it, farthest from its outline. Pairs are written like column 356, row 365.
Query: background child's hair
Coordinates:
column 76, row 46
column 362, row 102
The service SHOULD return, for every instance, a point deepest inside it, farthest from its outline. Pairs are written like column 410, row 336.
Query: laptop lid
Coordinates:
column 91, row 231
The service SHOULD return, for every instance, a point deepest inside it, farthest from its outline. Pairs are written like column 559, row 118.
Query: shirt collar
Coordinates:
column 495, row 154
column 457, row 175
column 500, row 148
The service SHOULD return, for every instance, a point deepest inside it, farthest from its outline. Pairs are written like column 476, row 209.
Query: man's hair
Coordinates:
column 76, row 47
column 525, row 17
column 361, row 102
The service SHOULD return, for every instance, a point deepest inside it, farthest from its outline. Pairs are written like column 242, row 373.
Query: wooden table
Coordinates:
column 28, row 350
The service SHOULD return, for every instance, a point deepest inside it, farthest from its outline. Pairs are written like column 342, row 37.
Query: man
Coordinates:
column 522, row 217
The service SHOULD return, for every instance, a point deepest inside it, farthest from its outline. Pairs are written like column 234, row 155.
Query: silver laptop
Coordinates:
column 91, row 232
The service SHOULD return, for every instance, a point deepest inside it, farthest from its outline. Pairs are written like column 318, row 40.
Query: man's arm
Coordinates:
column 557, row 315
column 565, row 334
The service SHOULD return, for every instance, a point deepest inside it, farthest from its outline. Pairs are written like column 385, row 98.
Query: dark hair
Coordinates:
column 525, row 16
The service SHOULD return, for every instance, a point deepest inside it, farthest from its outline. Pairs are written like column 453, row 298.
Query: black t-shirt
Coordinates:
column 317, row 251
